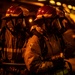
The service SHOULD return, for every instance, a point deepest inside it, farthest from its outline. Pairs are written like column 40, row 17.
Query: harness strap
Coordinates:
column 42, row 43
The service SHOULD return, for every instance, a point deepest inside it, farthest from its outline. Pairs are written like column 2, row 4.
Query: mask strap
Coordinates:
column 24, row 22
column 12, row 20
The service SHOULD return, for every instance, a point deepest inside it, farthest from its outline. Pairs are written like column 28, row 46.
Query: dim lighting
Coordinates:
column 52, row 2
column 66, row 8
column 70, row 6
column 30, row 20
column 73, row 8
column 58, row 3
column 64, row 5
column 41, row 0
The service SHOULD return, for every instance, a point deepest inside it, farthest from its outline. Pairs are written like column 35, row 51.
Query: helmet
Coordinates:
column 13, row 11
column 15, row 29
column 15, row 17
column 16, row 11
column 46, row 11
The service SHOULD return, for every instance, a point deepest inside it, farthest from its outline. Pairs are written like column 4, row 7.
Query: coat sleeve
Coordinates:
column 33, row 58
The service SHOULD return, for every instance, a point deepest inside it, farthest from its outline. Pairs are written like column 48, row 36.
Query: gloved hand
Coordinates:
column 58, row 63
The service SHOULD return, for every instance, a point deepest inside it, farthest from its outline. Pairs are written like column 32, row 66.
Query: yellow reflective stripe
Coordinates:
column 57, row 56
column 45, row 15
column 7, row 15
column 13, row 50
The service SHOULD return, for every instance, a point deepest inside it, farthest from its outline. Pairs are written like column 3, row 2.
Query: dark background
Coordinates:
column 32, row 5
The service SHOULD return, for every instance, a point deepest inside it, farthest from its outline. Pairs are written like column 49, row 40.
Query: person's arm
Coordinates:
column 33, row 58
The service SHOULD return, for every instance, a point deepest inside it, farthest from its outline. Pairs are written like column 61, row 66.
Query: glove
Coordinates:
column 58, row 63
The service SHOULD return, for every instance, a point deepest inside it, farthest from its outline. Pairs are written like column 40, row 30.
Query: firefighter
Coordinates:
column 15, row 33
column 43, row 53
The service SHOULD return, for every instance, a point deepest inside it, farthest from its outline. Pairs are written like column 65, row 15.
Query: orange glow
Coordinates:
column 30, row 20
column 58, row 3
column 52, row 2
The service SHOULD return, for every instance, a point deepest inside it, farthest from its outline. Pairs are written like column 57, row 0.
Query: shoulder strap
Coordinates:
column 44, row 50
